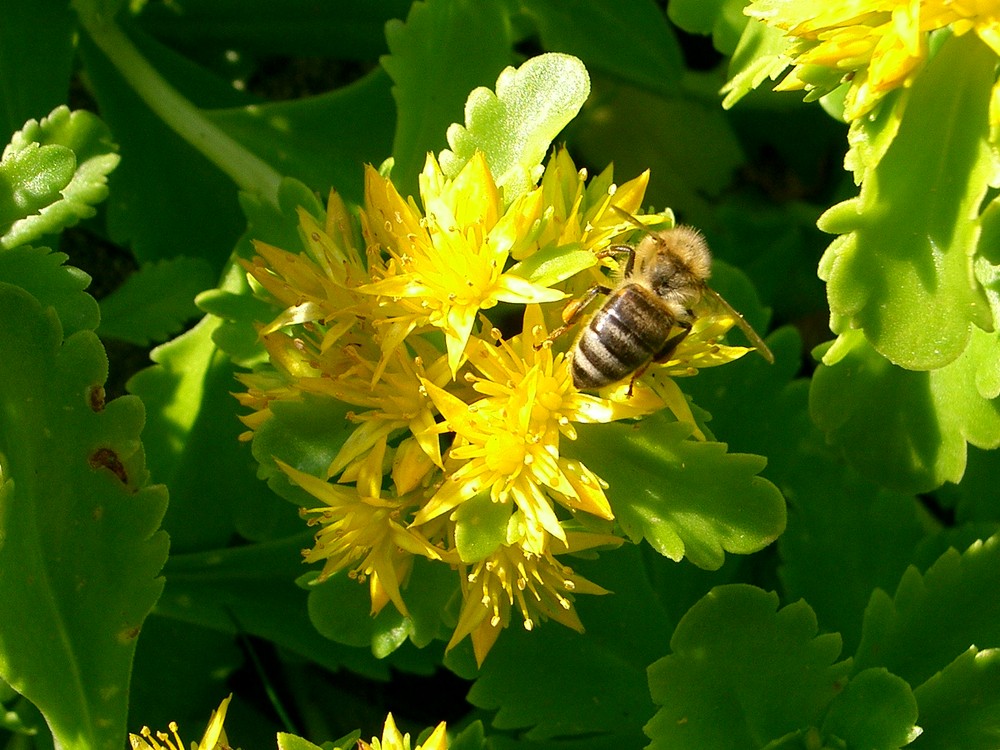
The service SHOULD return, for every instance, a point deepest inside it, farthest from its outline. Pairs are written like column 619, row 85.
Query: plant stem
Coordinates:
column 248, row 171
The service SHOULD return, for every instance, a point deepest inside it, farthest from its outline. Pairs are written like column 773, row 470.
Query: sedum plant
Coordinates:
column 289, row 413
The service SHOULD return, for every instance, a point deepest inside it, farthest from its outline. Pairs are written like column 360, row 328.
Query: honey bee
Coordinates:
column 649, row 312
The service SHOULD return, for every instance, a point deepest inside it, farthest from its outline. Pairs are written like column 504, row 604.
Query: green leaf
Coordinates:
column 554, row 682
column 252, row 589
column 52, row 175
column 33, row 83
column 936, row 616
column 40, row 272
column 480, row 527
column 340, row 609
column 515, row 126
column 551, row 265
column 188, row 393
column 960, row 704
column 685, row 497
column 723, row 19
column 156, row 301
column 903, row 429
column 876, row 709
column 688, row 144
column 79, row 547
column 903, row 268
column 597, row 32
column 742, row 673
column 445, row 49
column 335, row 29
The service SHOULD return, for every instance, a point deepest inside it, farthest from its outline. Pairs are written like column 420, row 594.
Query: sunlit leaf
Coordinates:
column 903, row 429
column 54, row 171
column 515, row 125
column 685, row 497
column 79, row 546
column 902, row 269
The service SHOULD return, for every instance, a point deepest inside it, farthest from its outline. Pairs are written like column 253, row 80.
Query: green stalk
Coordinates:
column 249, row 172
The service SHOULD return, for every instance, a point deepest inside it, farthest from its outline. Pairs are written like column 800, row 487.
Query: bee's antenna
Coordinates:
column 630, row 219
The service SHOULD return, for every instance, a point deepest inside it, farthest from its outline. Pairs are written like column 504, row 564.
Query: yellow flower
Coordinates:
column 878, row 45
column 507, row 443
column 315, row 287
column 213, row 739
column 581, row 213
column 360, row 528
column 536, row 585
column 393, row 740
column 447, row 264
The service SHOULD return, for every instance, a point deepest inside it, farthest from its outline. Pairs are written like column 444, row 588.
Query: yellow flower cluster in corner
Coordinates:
column 877, row 45
column 452, row 420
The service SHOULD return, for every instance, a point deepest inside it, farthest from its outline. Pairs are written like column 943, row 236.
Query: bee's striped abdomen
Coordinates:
column 621, row 337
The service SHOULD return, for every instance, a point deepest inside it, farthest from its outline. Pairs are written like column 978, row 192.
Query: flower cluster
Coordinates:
column 877, row 45
column 456, row 452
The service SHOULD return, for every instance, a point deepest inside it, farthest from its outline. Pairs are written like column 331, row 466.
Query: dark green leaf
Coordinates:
column 443, row 51
column 743, row 672
column 156, row 301
column 631, row 40
column 960, row 704
column 324, row 141
column 558, row 683
column 876, row 710
column 167, row 199
column 723, row 19
column 936, row 616
column 34, row 83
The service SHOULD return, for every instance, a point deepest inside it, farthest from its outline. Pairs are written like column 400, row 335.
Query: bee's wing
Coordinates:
column 755, row 339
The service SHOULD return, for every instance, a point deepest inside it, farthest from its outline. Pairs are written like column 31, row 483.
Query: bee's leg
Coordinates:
column 615, row 250
column 666, row 351
column 572, row 312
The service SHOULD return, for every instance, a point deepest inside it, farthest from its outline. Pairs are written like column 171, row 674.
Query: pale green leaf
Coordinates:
column 52, row 174
column 515, row 126
column 902, row 269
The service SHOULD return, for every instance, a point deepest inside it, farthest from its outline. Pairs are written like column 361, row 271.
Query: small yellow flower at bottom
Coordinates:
column 392, row 739
column 213, row 739
column 537, row 585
